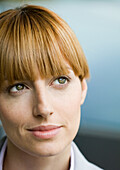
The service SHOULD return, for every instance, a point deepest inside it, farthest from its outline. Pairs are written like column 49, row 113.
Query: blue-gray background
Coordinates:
column 97, row 26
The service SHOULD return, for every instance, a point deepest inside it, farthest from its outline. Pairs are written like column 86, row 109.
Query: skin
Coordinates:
column 42, row 102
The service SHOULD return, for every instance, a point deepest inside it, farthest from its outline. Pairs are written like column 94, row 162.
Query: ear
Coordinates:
column 84, row 90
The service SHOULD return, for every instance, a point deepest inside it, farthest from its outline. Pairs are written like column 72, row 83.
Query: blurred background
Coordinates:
column 96, row 24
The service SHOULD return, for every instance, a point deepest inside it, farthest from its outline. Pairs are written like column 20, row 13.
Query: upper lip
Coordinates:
column 44, row 128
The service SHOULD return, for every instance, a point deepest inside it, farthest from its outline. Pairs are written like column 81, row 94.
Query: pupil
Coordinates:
column 62, row 80
column 19, row 87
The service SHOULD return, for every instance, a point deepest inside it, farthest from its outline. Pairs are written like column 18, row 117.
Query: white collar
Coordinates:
column 2, row 153
column 72, row 159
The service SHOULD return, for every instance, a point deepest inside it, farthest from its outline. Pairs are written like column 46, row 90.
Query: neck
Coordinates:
column 20, row 160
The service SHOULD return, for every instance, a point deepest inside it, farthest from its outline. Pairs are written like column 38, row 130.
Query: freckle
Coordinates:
column 51, row 113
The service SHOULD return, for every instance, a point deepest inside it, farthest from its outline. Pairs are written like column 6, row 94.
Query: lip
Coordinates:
column 45, row 132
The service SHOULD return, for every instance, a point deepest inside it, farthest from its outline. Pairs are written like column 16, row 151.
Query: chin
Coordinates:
column 50, row 149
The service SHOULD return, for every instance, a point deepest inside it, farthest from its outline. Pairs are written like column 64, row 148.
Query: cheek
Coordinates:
column 68, row 112
column 13, row 111
column 73, row 111
column 67, row 106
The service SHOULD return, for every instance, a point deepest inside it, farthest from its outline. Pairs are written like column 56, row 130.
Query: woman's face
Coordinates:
column 42, row 117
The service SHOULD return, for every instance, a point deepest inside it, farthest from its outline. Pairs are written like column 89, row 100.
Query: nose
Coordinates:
column 42, row 106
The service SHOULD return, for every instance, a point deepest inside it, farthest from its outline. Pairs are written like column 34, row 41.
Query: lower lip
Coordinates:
column 46, row 134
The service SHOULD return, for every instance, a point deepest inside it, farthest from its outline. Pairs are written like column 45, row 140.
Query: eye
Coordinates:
column 61, row 80
column 17, row 88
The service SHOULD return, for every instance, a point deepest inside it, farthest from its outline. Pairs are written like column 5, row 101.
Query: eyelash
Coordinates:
column 15, row 85
column 60, row 86
column 57, row 86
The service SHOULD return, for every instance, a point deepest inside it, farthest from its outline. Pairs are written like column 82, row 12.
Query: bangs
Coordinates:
column 35, row 39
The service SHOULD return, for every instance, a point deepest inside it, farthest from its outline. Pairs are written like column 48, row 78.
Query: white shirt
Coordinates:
column 2, row 153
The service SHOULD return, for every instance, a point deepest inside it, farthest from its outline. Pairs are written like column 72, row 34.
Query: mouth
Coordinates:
column 45, row 132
